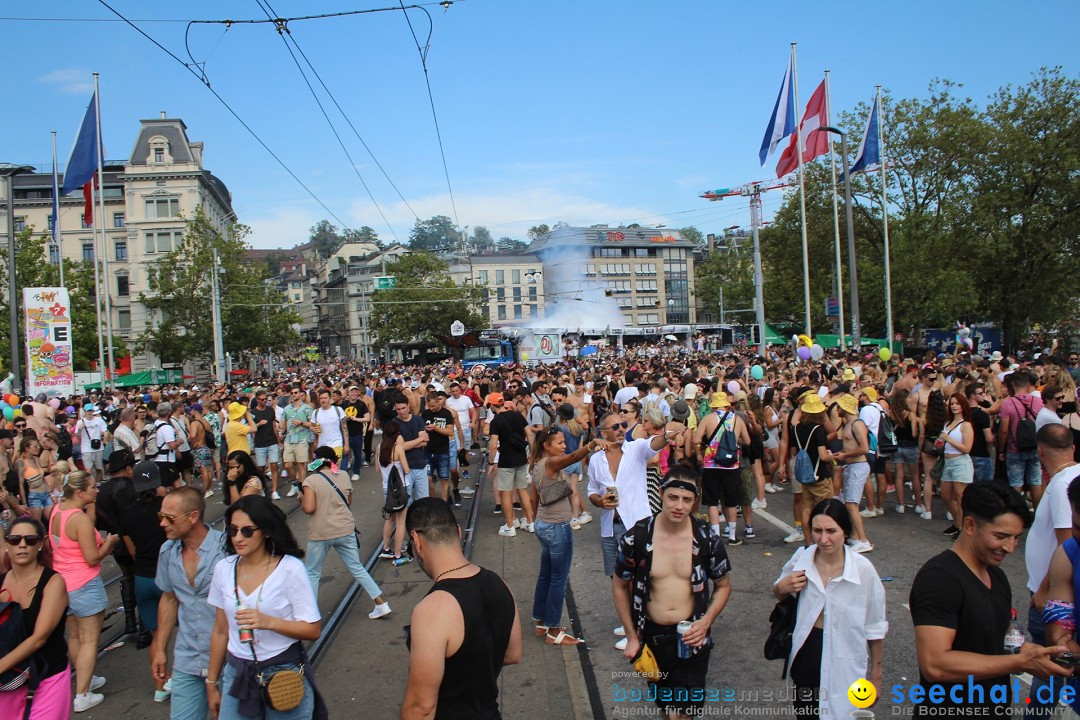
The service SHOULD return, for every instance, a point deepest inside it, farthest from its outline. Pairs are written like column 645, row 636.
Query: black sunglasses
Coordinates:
column 246, row 531
column 616, row 426
column 31, row 540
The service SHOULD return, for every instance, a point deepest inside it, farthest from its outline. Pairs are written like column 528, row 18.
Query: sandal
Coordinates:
column 540, row 630
column 562, row 638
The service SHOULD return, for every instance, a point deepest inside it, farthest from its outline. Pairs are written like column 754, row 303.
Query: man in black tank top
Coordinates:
column 463, row 631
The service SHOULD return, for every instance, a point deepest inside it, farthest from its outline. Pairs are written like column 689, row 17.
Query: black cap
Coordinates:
column 146, row 476
column 120, row 459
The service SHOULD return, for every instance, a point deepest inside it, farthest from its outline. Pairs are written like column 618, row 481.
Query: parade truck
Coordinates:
column 492, row 348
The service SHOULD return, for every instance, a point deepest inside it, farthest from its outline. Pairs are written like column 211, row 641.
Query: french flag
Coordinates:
column 869, row 153
column 782, row 122
column 83, row 162
column 815, row 141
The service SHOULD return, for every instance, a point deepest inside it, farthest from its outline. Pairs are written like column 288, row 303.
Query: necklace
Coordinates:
column 1061, row 467
column 447, row 572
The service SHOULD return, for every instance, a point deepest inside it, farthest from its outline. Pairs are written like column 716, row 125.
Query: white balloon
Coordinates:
column 816, row 352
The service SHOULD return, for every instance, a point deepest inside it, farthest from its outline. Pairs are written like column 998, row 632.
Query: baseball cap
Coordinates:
column 146, row 476
column 196, row 407
column 90, row 408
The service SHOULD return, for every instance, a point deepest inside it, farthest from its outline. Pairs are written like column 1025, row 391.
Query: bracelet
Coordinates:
column 211, row 682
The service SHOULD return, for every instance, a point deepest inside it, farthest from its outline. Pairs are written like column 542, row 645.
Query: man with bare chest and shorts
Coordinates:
column 662, row 585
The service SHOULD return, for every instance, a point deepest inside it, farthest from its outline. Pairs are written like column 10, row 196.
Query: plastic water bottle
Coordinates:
column 1014, row 638
column 684, row 650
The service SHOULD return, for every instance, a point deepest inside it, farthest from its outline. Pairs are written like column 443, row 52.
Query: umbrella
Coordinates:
column 587, row 350
column 670, row 337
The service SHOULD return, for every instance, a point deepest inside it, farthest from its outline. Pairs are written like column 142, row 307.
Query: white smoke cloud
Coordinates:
column 573, row 300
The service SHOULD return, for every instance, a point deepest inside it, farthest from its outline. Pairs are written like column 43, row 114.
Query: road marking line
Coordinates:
column 775, row 521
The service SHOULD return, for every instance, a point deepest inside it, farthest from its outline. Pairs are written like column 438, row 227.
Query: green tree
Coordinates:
column 179, row 300
column 435, row 234
column 692, row 234
column 538, row 231
column 481, row 241
column 423, row 303
column 732, row 271
column 511, row 245
column 362, row 234
column 325, row 238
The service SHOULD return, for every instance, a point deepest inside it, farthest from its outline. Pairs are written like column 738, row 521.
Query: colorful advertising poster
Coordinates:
column 48, row 341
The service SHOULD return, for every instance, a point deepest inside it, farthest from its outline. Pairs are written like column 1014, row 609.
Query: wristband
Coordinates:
column 211, row 682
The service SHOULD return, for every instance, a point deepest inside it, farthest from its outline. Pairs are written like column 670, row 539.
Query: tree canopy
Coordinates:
column 423, row 303
column 435, row 234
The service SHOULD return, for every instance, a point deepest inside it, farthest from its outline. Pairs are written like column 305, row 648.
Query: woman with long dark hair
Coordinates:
column 958, row 436
column 906, row 424
column 243, row 477
column 265, row 610
column 42, row 594
column 840, row 597
column 392, row 455
column 936, row 417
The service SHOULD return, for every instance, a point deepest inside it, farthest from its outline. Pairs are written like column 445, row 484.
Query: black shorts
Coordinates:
column 184, row 461
column 168, row 473
column 756, row 450
column 721, row 487
column 879, row 465
column 685, row 676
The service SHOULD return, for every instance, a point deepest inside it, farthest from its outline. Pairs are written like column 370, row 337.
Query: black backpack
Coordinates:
column 396, row 496
column 1025, row 431
column 886, row 440
column 64, row 447
column 387, row 400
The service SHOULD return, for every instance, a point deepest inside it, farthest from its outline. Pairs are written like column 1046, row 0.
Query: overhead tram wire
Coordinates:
column 321, row 16
column 431, row 98
column 286, row 35
column 232, row 112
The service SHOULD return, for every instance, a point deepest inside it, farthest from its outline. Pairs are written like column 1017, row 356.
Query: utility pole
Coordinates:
column 215, row 309
column 853, row 273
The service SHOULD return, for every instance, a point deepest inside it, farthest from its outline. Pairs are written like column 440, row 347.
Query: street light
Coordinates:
column 9, row 171
column 853, row 273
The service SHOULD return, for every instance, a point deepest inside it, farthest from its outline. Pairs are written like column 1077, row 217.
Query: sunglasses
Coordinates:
column 172, row 518
column 1058, row 398
column 618, row 425
column 246, row 531
column 31, row 540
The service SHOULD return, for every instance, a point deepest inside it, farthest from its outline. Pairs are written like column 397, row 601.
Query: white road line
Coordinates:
column 775, row 521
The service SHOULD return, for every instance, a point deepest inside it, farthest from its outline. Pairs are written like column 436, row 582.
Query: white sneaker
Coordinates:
column 377, row 431
column 868, row 513
column 880, row 511
column 862, row 547
column 86, row 701
column 621, row 645
column 209, row 493
column 275, row 496
column 380, row 611
column 356, row 477
column 770, row 488
column 292, row 492
column 507, row 531
column 919, row 509
column 619, row 631
column 900, row 509
column 529, row 527
column 584, row 518
column 926, row 516
column 467, row 492
column 756, row 504
column 574, row 524
column 97, row 682
column 795, row 537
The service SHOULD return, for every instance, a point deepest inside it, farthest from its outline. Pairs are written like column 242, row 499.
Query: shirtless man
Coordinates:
column 201, row 454
column 856, row 439
column 685, row 554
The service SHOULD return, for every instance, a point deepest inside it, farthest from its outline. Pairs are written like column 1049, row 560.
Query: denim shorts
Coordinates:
column 439, row 464
column 958, row 469
column 984, row 468
column 855, row 476
column 574, row 469
column 88, row 600
column 39, row 500
column 269, row 454
column 905, row 455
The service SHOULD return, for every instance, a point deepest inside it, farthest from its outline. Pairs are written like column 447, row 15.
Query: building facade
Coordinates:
column 147, row 200
column 512, row 286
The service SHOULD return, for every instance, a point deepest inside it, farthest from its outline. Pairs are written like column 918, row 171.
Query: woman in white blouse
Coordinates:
column 840, row 624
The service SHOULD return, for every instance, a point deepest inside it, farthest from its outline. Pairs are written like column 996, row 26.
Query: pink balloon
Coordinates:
column 804, row 352
column 54, row 403
column 733, row 387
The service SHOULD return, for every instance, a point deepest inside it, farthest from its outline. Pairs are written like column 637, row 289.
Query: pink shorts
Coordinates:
column 52, row 700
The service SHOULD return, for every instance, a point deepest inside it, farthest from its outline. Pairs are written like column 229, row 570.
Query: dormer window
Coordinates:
column 159, row 150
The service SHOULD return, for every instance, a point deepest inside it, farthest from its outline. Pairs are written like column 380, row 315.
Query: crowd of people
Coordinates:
column 674, row 446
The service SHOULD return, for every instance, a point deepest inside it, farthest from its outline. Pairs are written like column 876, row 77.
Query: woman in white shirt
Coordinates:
column 265, row 609
column 840, row 623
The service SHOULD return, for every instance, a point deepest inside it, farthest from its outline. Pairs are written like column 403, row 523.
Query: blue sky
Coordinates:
column 577, row 111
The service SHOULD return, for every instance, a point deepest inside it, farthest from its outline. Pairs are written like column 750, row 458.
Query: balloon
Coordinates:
column 733, row 386
column 17, row 412
column 146, row 397
column 805, row 341
column 524, row 357
column 804, row 352
column 54, row 403
column 816, row 352
column 3, row 405
column 11, row 399
column 756, row 372
column 885, row 353
column 9, row 413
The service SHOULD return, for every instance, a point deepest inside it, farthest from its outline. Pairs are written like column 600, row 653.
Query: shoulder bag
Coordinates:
column 781, row 629
column 555, row 491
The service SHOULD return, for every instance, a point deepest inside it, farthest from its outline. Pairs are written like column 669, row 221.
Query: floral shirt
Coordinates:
column 710, row 562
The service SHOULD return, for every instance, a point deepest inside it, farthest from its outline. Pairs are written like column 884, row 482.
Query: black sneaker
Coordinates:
column 734, row 540
column 457, row 498
column 517, row 506
column 748, row 532
column 386, row 553
column 498, row 509
column 949, row 530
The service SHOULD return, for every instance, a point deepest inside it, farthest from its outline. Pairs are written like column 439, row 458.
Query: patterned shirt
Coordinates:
column 297, row 433
column 710, row 561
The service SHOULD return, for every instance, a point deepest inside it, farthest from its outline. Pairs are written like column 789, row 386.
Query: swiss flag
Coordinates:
column 816, row 141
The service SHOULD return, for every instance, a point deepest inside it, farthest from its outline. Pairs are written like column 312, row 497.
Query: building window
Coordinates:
column 646, row 269
column 118, row 220
column 646, row 285
column 517, row 312
column 532, row 293
column 54, row 254
column 20, row 223
column 122, row 287
column 532, row 311
column 85, row 225
column 590, row 269
column 502, row 312
column 121, row 250
column 51, row 223
column 500, row 277
column 483, row 275
column 500, row 294
column 157, row 208
column 486, row 312
column 648, row 318
column 517, row 294
column 159, row 155
column 161, row 242
column 123, row 319
column 515, row 277
column 88, row 251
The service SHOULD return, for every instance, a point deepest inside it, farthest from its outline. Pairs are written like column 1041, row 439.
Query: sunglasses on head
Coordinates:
column 246, row 531
column 31, row 540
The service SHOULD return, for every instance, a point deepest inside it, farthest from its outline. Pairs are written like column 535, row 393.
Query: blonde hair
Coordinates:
column 60, row 468
column 74, row 482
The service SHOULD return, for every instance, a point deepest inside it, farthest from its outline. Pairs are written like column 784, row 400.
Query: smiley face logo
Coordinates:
column 862, row 693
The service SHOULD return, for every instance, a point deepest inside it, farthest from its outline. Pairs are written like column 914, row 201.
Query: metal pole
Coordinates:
column 104, row 244
column 13, row 306
column 885, row 221
column 836, row 219
column 802, row 194
column 721, row 304
column 759, row 292
column 56, row 214
column 853, row 273
column 215, row 310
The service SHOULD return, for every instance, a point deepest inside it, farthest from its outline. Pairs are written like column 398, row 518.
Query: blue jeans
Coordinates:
column 1023, row 467
column 1038, row 708
column 418, row 483
column 346, row 548
column 188, row 697
column 984, row 468
column 439, row 464
column 230, row 709
column 556, row 553
column 355, row 458
column 610, row 546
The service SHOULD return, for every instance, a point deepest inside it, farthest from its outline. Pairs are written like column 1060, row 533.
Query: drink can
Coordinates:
column 247, row 635
column 613, row 493
column 682, row 628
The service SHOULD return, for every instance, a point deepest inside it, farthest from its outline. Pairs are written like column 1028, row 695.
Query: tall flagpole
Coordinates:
column 802, row 191
column 885, row 220
column 836, row 216
column 99, row 222
column 56, row 212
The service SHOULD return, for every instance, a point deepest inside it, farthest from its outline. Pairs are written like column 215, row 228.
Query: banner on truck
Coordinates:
column 47, row 311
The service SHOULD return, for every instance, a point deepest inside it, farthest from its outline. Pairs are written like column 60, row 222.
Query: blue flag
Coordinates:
column 83, row 163
column 782, row 122
column 870, row 150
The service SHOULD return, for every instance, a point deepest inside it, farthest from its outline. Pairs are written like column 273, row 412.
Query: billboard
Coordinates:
column 47, row 312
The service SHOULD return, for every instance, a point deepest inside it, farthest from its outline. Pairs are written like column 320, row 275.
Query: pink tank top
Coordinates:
column 68, row 558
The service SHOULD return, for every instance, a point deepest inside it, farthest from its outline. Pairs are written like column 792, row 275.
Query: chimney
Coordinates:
column 163, row 116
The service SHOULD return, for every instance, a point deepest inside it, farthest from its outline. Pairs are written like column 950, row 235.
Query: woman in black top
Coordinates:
column 43, row 597
column 143, row 537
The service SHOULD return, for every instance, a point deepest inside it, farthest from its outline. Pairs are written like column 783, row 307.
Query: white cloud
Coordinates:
column 75, row 81
column 281, row 227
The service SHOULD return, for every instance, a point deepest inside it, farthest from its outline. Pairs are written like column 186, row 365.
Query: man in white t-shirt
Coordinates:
column 628, row 393
column 167, row 443
column 1053, row 397
column 92, row 431
column 461, row 404
column 330, row 420
column 1051, row 527
column 125, row 436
